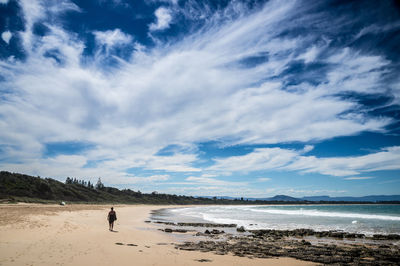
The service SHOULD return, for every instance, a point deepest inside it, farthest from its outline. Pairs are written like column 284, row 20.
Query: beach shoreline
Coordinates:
column 77, row 234
column 326, row 247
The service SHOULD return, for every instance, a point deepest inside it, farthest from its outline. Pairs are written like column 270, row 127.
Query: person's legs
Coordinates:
column 112, row 225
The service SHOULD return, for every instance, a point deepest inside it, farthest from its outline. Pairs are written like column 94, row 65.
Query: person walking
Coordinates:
column 112, row 216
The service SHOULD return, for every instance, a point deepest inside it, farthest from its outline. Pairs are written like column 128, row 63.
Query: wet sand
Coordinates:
column 34, row 234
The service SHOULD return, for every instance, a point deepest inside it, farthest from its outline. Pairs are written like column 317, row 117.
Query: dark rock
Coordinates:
column 180, row 230
column 204, row 260
column 241, row 229
column 337, row 234
column 216, row 232
column 257, row 246
column 170, row 230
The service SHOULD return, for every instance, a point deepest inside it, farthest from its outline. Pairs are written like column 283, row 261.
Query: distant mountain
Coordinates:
column 372, row 198
column 281, row 198
column 317, row 198
column 285, row 198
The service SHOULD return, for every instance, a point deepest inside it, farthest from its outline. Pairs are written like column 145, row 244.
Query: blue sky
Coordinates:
column 234, row 98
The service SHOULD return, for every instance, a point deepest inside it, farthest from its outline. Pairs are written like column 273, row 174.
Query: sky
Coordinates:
column 204, row 98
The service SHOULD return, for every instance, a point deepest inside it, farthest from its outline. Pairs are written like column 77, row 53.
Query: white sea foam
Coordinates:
column 214, row 219
column 316, row 213
column 319, row 218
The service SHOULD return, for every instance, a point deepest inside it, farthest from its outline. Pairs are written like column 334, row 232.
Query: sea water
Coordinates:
column 363, row 218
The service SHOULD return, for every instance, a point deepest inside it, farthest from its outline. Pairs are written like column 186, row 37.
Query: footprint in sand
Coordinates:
column 204, row 260
column 122, row 244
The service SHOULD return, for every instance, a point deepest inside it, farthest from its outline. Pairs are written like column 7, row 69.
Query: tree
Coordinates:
column 68, row 181
column 99, row 184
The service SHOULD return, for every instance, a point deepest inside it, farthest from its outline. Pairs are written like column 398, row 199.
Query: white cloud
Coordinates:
column 59, row 6
column 308, row 148
column 263, row 179
column 386, row 159
column 302, row 192
column 187, row 92
column 205, row 190
column 375, row 29
column 3, row 1
column 204, row 179
column 112, row 38
column 358, row 178
column 144, row 180
column 310, row 55
column 283, row 159
column 173, row 2
column 163, row 19
column 6, row 36
column 259, row 159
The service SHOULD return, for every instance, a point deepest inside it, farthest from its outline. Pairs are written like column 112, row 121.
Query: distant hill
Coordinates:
column 281, row 198
column 372, row 198
column 16, row 187
column 20, row 187
column 323, row 199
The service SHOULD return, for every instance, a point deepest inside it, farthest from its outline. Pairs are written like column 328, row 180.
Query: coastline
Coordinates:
column 35, row 234
column 356, row 219
column 327, row 247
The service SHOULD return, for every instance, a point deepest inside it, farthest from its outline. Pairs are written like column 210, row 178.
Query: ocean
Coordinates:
column 365, row 219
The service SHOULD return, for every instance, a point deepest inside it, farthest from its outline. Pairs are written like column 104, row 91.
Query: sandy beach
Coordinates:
column 34, row 234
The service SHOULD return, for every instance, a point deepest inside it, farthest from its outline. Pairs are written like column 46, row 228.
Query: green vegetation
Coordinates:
column 25, row 188
column 16, row 187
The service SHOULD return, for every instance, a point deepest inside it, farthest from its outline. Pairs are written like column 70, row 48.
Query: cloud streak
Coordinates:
column 230, row 81
column 278, row 159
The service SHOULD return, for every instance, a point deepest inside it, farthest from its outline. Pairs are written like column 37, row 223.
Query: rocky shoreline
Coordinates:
column 326, row 247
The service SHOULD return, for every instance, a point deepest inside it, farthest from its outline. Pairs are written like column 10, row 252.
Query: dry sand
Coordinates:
column 33, row 234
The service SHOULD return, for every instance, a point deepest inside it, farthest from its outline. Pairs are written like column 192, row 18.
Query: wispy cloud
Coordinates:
column 111, row 38
column 284, row 159
column 229, row 81
column 163, row 19
column 263, row 179
column 358, row 178
column 6, row 36
column 213, row 181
